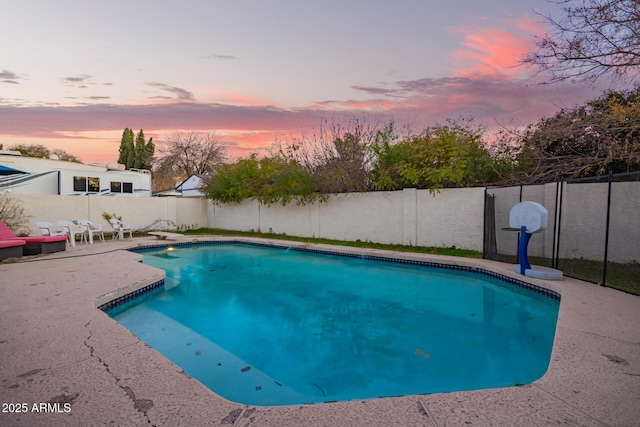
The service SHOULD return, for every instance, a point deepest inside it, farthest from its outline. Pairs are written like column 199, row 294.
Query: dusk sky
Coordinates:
column 74, row 74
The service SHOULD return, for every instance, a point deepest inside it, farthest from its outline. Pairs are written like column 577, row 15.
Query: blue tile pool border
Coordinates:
column 149, row 248
column 131, row 296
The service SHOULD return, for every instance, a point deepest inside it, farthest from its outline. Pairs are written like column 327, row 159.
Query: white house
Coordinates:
column 29, row 175
column 190, row 187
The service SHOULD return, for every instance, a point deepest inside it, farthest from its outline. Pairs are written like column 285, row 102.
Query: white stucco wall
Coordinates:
column 140, row 212
column 190, row 213
column 452, row 217
column 243, row 216
column 292, row 219
column 624, row 230
column 52, row 208
column 583, row 222
column 374, row 217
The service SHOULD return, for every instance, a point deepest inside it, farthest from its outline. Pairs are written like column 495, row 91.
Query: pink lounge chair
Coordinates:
column 11, row 248
column 35, row 245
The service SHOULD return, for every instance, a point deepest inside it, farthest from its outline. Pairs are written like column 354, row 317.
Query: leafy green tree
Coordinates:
column 32, row 150
column 143, row 152
column 126, row 149
column 389, row 155
column 42, row 152
column 284, row 181
column 450, row 155
column 269, row 180
column 138, row 155
column 232, row 183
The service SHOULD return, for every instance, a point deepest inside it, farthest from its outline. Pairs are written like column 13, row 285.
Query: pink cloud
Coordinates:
column 241, row 144
column 234, row 98
column 91, row 132
column 494, row 50
column 367, row 104
column 485, row 85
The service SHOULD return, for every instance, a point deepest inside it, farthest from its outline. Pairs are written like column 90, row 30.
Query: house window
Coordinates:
column 86, row 184
column 121, row 187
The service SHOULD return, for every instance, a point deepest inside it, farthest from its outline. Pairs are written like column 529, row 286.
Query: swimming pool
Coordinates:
column 276, row 326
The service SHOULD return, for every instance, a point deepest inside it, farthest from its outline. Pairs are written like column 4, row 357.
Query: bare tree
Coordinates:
column 183, row 154
column 337, row 154
column 590, row 140
column 595, row 38
column 13, row 214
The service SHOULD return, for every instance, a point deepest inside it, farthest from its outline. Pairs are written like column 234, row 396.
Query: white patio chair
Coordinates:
column 48, row 229
column 72, row 231
column 92, row 229
column 120, row 228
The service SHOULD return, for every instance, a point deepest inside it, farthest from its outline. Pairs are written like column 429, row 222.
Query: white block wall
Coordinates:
column 140, row 212
column 453, row 217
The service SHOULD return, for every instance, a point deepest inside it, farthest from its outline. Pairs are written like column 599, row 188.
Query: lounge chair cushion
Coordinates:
column 10, row 243
column 35, row 245
column 43, row 239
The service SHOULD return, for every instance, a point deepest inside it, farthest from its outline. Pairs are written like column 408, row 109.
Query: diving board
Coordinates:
column 163, row 235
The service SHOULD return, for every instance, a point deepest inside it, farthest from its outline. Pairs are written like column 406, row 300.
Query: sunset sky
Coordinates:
column 74, row 74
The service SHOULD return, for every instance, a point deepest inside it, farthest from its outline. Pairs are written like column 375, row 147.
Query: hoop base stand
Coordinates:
column 529, row 218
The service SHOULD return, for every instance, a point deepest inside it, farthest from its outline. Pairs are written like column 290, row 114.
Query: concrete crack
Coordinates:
column 141, row 405
column 570, row 405
column 422, row 407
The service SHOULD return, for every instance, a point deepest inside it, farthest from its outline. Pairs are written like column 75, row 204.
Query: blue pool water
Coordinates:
column 271, row 326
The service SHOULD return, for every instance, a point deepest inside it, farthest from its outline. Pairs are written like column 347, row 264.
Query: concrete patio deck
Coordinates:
column 66, row 363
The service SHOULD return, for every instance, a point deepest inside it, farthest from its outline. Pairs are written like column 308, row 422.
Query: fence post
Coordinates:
column 489, row 245
column 555, row 228
column 559, row 220
column 606, row 235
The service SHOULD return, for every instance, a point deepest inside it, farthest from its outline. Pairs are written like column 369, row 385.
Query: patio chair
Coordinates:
column 72, row 231
column 120, row 228
column 92, row 229
column 48, row 229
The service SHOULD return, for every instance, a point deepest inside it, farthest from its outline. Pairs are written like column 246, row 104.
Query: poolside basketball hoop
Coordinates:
column 529, row 218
